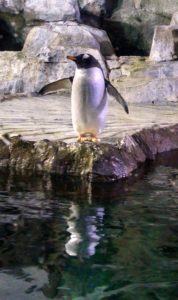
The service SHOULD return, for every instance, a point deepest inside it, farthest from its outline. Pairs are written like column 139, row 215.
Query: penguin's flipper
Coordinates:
column 115, row 94
column 53, row 87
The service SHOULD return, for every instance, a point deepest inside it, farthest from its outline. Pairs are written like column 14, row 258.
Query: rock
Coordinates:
column 92, row 12
column 4, row 155
column 85, row 159
column 27, row 75
column 144, row 81
column 53, row 10
column 115, row 74
column 130, row 24
column 174, row 20
column 66, row 38
column 133, row 22
column 102, row 38
column 11, row 6
column 93, row 7
column 47, row 139
column 165, row 43
column 97, row 162
column 44, row 54
column 49, row 117
column 113, row 62
column 23, row 74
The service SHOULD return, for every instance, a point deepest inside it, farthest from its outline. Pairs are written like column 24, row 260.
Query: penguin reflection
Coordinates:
column 85, row 228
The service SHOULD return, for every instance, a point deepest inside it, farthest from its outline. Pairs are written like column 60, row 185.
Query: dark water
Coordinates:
column 61, row 239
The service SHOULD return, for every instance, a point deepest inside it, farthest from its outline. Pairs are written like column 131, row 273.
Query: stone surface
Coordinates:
column 53, row 10
column 96, row 162
column 26, row 75
column 93, row 7
column 66, row 38
column 140, row 80
column 49, row 117
column 12, row 6
column 174, row 20
column 133, row 22
column 47, row 141
column 137, row 78
column 165, row 43
column 130, row 24
column 43, row 58
column 22, row 74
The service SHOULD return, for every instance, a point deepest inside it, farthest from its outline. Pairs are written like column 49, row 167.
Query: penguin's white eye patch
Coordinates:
column 85, row 56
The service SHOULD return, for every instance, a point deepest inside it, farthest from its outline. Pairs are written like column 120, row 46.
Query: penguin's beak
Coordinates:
column 74, row 58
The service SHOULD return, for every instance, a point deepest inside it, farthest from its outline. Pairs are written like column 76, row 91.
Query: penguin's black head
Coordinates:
column 85, row 61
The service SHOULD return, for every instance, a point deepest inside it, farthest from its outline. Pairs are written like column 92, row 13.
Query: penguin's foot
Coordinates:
column 88, row 138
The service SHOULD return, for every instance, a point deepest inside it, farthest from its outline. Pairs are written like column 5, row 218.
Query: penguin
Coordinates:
column 89, row 97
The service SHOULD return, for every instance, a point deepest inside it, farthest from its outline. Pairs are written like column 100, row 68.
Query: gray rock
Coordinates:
column 145, row 81
column 53, row 10
column 174, row 20
column 133, row 22
column 165, row 43
column 22, row 73
column 115, row 74
column 113, row 62
column 11, row 6
column 93, row 7
column 61, row 36
column 44, row 54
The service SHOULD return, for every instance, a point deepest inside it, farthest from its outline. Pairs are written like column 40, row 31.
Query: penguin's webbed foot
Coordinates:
column 88, row 138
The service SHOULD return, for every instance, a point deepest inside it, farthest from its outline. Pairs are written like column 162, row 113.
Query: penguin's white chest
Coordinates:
column 89, row 101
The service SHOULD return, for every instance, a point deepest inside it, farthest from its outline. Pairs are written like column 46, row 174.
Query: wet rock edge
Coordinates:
column 101, row 162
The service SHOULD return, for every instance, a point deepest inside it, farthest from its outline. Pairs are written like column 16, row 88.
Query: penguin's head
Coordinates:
column 84, row 61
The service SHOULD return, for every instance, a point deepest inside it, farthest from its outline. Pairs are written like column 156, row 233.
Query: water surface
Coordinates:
column 63, row 239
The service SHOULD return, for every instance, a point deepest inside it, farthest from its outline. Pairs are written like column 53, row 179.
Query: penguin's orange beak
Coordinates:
column 72, row 57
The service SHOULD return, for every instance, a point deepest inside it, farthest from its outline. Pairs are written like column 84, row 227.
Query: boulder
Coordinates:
column 62, row 36
column 92, row 12
column 92, row 7
column 27, row 74
column 130, row 24
column 43, row 57
column 53, row 10
column 165, row 43
column 23, row 74
column 174, row 20
column 141, row 81
column 133, row 22
column 11, row 6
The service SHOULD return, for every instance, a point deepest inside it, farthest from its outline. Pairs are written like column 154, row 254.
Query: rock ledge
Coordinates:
column 97, row 162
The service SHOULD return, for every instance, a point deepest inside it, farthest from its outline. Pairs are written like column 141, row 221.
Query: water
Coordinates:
column 60, row 239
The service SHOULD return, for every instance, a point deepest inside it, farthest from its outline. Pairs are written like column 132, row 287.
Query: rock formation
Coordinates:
column 97, row 162
column 44, row 33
